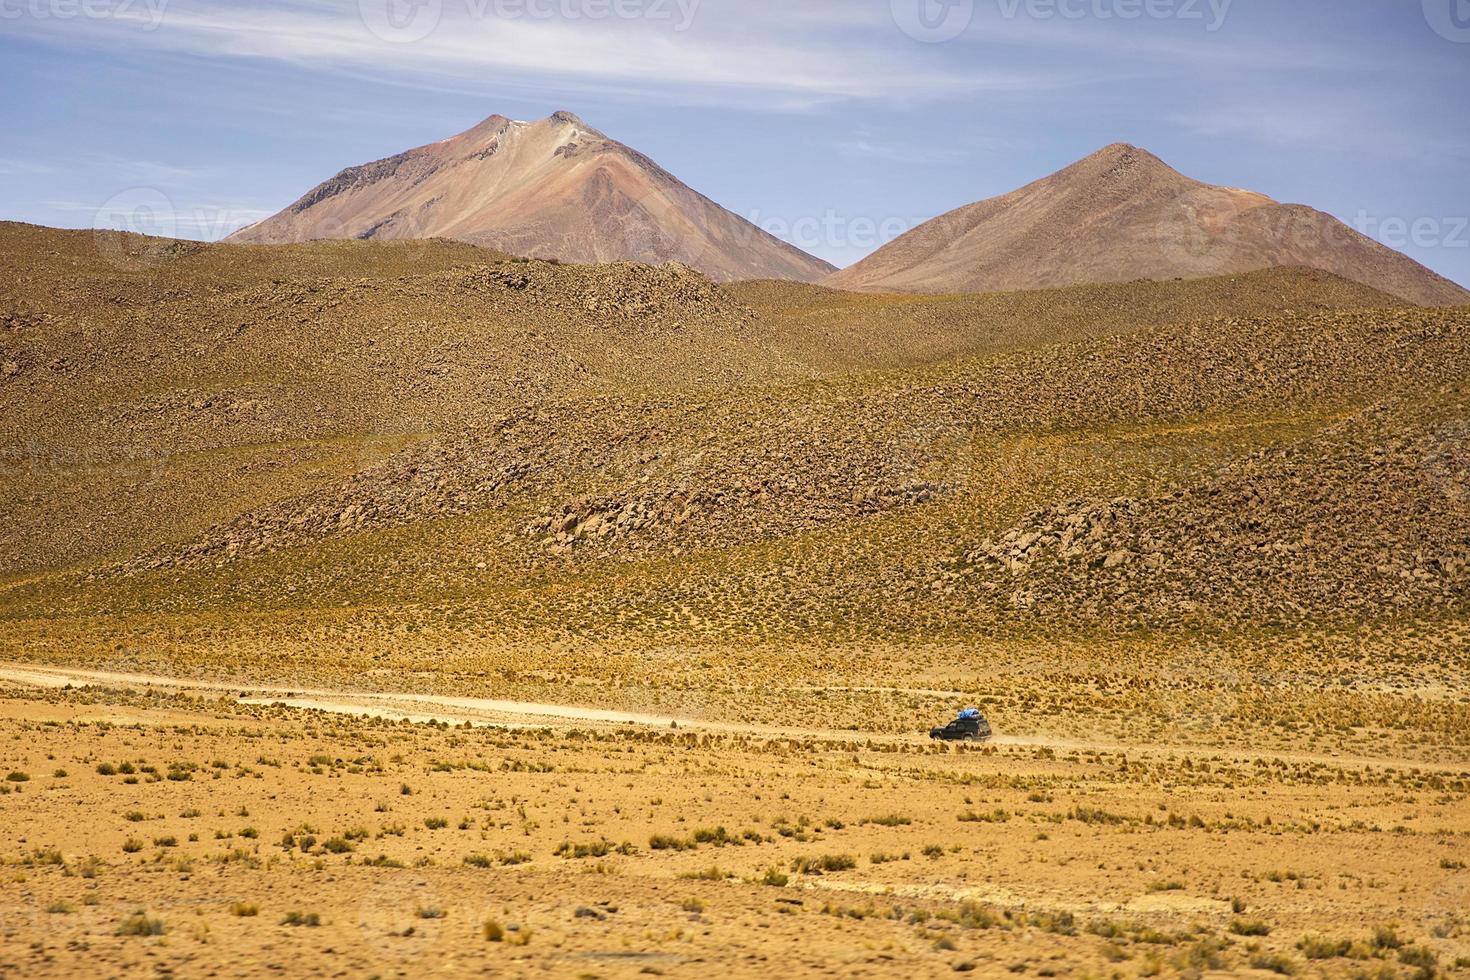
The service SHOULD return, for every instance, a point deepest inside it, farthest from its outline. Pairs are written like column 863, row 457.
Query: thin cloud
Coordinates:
column 771, row 57
column 143, row 171
column 18, row 168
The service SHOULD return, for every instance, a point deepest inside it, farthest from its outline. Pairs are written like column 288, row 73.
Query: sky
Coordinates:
column 836, row 124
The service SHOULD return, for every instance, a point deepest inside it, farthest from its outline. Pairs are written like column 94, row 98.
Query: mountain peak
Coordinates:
column 1121, row 150
column 1123, row 214
column 549, row 187
column 1125, row 156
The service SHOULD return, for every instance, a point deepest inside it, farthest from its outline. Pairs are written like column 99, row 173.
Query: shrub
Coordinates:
column 141, row 925
column 1207, row 954
column 668, row 842
column 1420, row 956
column 1322, row 948
column 1275, row 962
column 1250, row 927
column 132, row 845
column 383, row 861
column 106, row 769
column 435, row 823
column 308, row 919
column 244, row 910
column 1386, row 937
column 478, row 861
column 586, row 849
column 775, row 877
column 337, row 845
column 823, row 865
column 973, row 915
column 712, row 873
column 891, row 820
column 18, row 777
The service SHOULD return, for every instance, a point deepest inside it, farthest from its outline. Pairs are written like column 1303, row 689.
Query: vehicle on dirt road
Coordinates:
column 970, row 726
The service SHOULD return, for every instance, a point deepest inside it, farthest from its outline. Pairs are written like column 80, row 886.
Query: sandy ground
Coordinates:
column 257, row 839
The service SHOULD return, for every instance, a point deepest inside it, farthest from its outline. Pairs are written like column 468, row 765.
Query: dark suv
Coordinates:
column 970, row 726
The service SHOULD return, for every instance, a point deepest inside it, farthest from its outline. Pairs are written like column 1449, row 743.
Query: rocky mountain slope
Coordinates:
column 1120, row 215
column 347, row 441
column 554, row 188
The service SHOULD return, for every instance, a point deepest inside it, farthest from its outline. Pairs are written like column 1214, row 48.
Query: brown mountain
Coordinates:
column 556, row 188
column 1123, row 214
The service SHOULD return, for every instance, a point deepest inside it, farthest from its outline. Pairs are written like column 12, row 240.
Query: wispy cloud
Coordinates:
column 142, row 171
column 17, row 168
column 1333, row 125
column 785, row 51
column 865, row 145
column 896, row 152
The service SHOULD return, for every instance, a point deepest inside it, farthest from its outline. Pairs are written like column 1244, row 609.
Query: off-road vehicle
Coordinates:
column 970, row 726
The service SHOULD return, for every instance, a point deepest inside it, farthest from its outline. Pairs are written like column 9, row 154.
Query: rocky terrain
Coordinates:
column 1123, row 214
column 1158, row 455
column 553, row 188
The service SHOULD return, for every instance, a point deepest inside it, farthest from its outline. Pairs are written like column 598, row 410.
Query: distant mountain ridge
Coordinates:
column 554, row 188
column 1123, row 214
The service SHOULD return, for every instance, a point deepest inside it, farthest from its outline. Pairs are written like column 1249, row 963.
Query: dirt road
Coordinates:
column 489, row 712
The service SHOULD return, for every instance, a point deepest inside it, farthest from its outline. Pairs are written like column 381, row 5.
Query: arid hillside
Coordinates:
column 1121, row 215
column 553, row 188
column 522, row 452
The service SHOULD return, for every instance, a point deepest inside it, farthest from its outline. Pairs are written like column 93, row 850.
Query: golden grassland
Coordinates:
column 153, row 832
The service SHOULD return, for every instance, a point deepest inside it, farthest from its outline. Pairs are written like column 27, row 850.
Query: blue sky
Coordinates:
column 837, row 123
